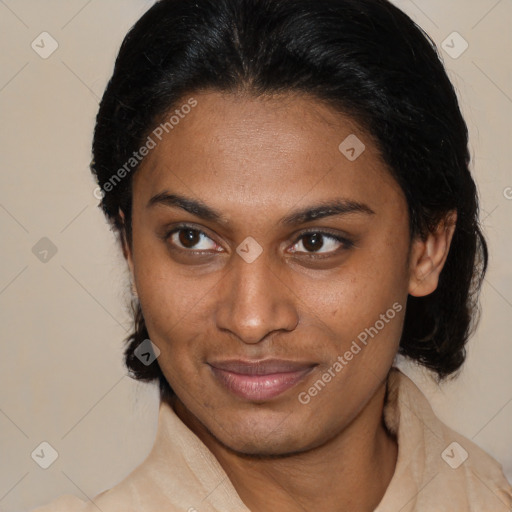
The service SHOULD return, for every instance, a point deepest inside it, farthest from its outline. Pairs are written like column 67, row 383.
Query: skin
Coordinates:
column 256, row 161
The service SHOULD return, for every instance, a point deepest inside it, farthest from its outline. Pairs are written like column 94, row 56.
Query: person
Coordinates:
column 289, row 183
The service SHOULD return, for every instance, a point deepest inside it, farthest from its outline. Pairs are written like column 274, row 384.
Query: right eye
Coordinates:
column 190, row 239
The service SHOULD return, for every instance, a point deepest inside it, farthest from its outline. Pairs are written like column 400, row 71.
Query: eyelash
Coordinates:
column 345, row 242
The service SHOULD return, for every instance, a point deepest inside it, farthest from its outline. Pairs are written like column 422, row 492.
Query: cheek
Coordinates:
column 164, row 291
column 174, row 313
column 174, row 306
column 359, row 292
column 364, row 308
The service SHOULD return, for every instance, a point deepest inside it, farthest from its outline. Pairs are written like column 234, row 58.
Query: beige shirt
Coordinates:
column 432, row 472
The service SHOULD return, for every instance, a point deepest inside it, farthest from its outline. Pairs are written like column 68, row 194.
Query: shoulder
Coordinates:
column 471, row 471
column 438, row 469
column 117, row 499
column 120, row 498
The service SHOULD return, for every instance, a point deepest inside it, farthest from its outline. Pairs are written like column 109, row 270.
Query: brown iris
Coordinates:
column 189, row 238
column 313, row 242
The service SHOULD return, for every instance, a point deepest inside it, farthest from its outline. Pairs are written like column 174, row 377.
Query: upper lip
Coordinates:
column 261, row 367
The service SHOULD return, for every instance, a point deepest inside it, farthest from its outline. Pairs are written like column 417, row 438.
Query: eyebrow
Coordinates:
column 193, row 206
column 327, row 209
column 319, row 211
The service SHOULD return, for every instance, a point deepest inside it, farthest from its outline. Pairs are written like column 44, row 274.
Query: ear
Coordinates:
column 428, row 257
column 127, row 253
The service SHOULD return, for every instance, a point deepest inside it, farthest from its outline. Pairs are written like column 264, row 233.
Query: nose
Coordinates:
column 255, row 302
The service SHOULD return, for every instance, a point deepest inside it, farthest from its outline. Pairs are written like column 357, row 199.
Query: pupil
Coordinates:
column 189, row 237
column 313, row 242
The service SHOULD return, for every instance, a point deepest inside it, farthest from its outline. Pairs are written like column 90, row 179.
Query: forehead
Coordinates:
column 241, row 151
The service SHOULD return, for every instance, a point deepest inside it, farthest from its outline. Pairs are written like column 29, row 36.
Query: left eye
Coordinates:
column 319, row 243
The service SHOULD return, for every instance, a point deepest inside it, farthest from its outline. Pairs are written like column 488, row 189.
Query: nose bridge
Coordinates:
column 254, row 301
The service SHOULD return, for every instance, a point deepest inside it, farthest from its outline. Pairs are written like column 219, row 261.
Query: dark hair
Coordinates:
column 366, row 59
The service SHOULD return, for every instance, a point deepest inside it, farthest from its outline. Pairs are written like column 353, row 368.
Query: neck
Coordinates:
column 349, row 472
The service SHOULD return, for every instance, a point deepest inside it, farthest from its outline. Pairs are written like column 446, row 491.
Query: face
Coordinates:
column 255, row 238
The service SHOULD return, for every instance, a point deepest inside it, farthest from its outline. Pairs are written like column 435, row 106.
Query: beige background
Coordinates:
column 63, row 320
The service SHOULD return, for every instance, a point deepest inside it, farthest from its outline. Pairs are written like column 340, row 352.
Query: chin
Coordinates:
column 265, row 446
column 255, row 436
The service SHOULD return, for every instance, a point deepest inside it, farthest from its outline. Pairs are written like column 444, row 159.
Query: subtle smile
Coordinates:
column 260, row 380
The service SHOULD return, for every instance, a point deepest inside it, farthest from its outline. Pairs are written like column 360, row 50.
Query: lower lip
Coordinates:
column 259, row 387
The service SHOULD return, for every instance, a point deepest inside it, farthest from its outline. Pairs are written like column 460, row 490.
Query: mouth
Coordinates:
column 260, row 380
